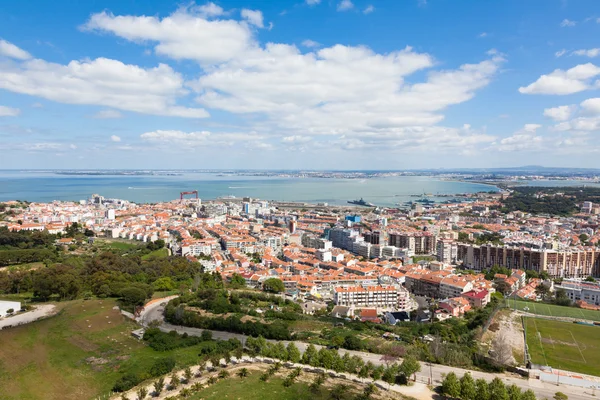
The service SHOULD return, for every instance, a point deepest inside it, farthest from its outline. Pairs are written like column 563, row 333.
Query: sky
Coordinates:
column 299, row 84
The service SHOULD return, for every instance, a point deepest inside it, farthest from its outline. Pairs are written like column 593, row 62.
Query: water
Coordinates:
column 384, row 191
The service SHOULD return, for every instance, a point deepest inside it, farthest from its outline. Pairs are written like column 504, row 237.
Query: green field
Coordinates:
column 160, row 253
column 51, row 359
column 554, row 311
column 564, row 345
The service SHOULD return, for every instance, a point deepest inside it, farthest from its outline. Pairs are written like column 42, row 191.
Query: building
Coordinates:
column 393, row 318
column 9, row 307
column 456, row 306
column 447, row 251
column 454, row 286
column 417, row 242
column 577, row 291
column 371, row 296
column 477, row 298
column 570, row 263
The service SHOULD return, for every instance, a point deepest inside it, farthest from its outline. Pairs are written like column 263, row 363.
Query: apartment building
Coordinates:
column 576, row 291
column 454, row 286
column 417, row 242
column 571, row 263
column 388, row 297
column 447, row 251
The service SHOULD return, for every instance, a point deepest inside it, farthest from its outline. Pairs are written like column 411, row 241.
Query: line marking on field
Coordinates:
column 578, row 348
column 539, row 335
column 549, row 312
column 582, row 314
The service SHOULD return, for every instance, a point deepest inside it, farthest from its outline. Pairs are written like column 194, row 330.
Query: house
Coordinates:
column 477, row 298
column 370, row 315
column 455, row 306
column 423, row 316
column 393, row 318
column 342, row 312
column 310, row 307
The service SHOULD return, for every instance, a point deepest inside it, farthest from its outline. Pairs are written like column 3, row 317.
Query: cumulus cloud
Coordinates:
column 591, row 106
column 209, row 10
column 524, row 139
column 115, row 138
column 107, row 114
column 11, row 51
column 587, row 119
column 345, row 5
column 567, row 23
column 560, row 53
column 190, row 140
column 561, row 82
column 561, row 113
column 254, row 17
column 102, row 81
column 9, row 111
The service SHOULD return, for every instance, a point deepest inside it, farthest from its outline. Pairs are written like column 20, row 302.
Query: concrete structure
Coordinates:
column 588, row 292
column 372, row 296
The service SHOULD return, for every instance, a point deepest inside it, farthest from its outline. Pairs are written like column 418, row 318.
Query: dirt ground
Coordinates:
column 507, row 326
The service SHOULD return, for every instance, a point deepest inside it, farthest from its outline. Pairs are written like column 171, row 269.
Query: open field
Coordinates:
column 554, row 311
column 252, row 388
column 78, row 354
column 564, row 345
column 115, row 244
column 156, row 253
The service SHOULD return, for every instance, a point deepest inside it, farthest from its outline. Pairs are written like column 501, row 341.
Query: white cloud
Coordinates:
column 562, row 82
column 313, row 2
column 107, row 114
column 345, row 5
column 524, row 139
column 102, row 82
column 115, row 138
column 190, row 140
column 591, row 106
column 591, row 53
column 369, row 9
column 296, row 139
column 560, row 53
column 9, row 111
column 8, row 49
column 209, row 10
column 182, row 35
column 561, row 113
column 310, row 43
column 254, row 17
column 567, row 23
column 588, row 118
column 73, row 147
column 482, row 35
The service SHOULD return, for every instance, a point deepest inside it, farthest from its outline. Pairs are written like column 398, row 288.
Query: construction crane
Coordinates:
column 194, row 192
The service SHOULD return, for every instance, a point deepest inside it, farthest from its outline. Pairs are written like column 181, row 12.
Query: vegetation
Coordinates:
column 467, row 389
column 563, row 345
column 554, row 310
column 273, row 285
column 561, row 201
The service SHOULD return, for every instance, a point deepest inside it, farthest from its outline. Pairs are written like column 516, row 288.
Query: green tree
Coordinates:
column 174, row 382
column 451, row 386
column 223, row 374
column 273, row 285
column 237, row 281
column 514, row 393
column 326, row 358
column 187, row 375
column 560, row 396
column 163, row 284
column 159, row 385
column 528, row 395
column 590, row 279
column 280, row 352
column 293, row 353
column 310, row 356
column 483, row 390
column 498, row 390
column 142, row 393
column 583, row 238
column 133, row 296
column 339, row 391
column 242, row 373
column 410, row 366
column 468, row 391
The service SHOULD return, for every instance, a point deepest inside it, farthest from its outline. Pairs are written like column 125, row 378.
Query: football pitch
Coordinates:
column 564, row 345
column 554, row 311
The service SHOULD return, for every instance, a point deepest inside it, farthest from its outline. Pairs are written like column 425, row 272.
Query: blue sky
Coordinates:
column 361, row 84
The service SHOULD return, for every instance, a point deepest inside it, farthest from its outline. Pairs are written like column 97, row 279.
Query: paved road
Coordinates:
column 41, row 311
column 541, row 389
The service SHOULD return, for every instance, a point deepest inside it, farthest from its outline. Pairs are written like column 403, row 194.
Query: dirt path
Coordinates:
column 41, row 311
column 508, row 328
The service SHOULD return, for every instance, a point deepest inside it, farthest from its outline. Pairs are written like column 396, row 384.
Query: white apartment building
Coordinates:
column 588, row 292
column 454, row 286
column 388, row 297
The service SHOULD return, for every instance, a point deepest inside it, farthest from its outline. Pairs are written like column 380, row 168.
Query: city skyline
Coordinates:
column 305, row 84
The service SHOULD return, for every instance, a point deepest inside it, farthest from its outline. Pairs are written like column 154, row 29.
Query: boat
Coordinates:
column 361, row 202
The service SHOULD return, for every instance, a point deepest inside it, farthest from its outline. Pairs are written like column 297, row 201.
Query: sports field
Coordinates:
column 554, row 311
column 564, row 345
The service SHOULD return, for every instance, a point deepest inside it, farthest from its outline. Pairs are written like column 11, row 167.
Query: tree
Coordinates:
column 352, row 343
column 483, row 391
column 293, row 353
column 503, row 287
column 310, row 355
column 583, row 238
column 133, row 296
column 468, row 391
column 223, row 374
column 560, row 396
column 206, row 335
column 514, row 393
column 273, row 285
column 163, row 284
column 590, row 279
column 242, row 373
column 410, row 366
column 280, row 352
column 159, row 385
column 451, row 386
column 498, row 390
column 187, row 374
column 174, row 381
column 528, row 395
column 237, row 281
column 339, row 391
column 542, row 290
column 142, row 393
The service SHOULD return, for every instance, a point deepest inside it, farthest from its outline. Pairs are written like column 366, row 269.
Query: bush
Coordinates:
column 126, row 382
column 162, row 366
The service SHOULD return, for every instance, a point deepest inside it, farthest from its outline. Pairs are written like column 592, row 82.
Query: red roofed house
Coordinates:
column 477, row 298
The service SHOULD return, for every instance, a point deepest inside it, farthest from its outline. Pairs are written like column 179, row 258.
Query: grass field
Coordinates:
column 52, row 359
column 160, row 253
column 564, row 345
column 117, row 245
column 555, row 311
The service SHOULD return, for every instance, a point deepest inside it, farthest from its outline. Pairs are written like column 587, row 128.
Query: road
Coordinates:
column 541, row 389
column 41, row 311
